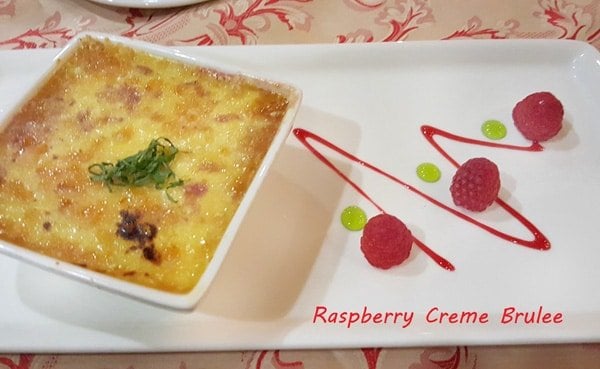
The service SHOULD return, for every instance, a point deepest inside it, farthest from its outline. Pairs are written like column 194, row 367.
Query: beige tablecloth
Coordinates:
column 51, row 23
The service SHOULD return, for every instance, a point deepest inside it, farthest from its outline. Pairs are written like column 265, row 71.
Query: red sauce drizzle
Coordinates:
column 429, row 132
column 303, row 136
column 539, row 242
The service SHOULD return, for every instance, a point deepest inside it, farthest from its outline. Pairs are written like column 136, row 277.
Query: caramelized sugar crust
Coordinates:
column 106, row 102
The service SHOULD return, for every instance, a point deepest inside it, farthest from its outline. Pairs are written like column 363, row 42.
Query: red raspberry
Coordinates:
column 386, row 241
column 539, row 116
column 475, row 184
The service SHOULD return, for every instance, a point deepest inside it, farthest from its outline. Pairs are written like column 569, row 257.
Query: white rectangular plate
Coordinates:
column 292, row 254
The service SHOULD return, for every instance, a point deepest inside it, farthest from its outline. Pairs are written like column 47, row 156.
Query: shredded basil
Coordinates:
column 147, row 167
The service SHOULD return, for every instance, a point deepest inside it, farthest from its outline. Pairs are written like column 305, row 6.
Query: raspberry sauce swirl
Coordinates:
column 539, row 241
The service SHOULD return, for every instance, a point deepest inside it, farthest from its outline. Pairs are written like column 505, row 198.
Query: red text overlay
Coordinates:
column 509, row 315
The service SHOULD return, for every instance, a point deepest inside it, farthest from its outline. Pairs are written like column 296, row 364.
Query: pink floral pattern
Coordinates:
column 52, row 23
column 245, row 20
column 7, row 7
column 153, row 26
column 569, row 18
column 20, row 362
column 475, row 29
column 50, row 34
column 446, row 358
column 241, row 22
column 461, row 357
column 371, row 357
column 400, row 17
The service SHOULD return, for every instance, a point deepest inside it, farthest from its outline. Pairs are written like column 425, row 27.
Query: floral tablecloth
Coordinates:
column 51, row 23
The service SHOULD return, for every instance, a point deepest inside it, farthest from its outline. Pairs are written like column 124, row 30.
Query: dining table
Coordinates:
column 248, row 25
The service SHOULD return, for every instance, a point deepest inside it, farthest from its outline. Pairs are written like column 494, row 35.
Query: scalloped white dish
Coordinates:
column 292, row 258
column 75, row 265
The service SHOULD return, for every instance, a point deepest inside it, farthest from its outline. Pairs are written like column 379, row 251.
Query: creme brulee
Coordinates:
column 106, row 102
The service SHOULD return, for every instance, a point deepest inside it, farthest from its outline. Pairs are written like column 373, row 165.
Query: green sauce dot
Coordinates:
column 429, row 172
column 493, row 129
column 354, row 218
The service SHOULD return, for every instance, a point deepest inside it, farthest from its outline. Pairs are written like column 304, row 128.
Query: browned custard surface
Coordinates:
column 106, row 102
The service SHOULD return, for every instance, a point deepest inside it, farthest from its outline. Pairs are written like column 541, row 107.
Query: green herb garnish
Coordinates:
column 147, row 167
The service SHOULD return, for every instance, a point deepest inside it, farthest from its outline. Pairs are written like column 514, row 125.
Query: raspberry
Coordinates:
column 475, row 184
column 539, row 116
column 386, row 242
